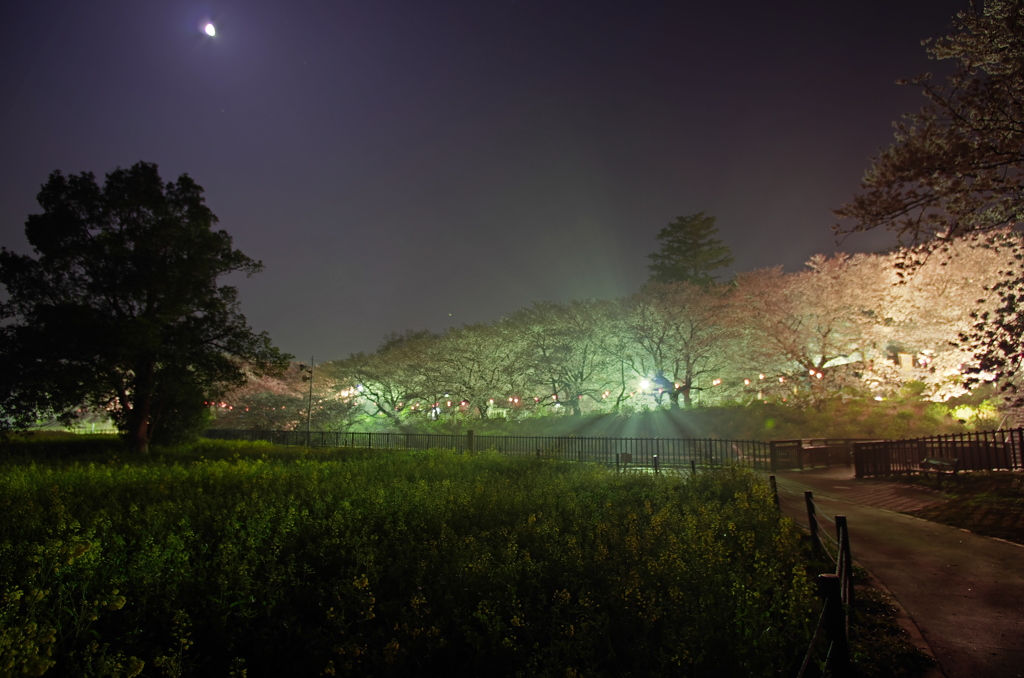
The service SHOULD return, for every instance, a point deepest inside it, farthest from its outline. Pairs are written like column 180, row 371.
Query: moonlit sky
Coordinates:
column 411, row 164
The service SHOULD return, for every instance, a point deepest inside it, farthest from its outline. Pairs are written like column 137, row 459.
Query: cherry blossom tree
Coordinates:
column 682, row 329
column 809, row 331
column 956, row 168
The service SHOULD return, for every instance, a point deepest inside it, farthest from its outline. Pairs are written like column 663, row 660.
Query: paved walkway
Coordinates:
column 964, row 592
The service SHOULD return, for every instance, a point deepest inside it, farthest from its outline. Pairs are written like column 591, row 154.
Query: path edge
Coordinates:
column 904, row 619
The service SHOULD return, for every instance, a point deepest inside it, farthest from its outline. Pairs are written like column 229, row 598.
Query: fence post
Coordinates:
column 771, row 456
column 617, row 462
column 1017, row 449
column 812, row 523
column 471, row 442
column 835, row 625
column 693, row 467
column 845, row 564
column 775, row 491
column 656, row 469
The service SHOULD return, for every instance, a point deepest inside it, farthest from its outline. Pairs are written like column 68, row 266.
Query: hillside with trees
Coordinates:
column 843, row 329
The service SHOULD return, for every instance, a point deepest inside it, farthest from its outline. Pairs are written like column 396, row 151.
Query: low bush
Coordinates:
column 231, row 559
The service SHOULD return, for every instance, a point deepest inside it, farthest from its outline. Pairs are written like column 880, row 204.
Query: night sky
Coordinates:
column 424, row 164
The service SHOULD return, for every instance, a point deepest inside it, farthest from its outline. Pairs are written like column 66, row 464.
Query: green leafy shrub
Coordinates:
column 219, row 558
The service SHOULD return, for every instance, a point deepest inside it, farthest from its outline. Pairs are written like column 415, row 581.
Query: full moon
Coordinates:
column 210, row 30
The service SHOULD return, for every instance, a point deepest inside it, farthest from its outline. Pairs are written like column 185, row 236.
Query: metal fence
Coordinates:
column 636, row 452
column 373, row 441
column 981, row 451
column 808, row 453
column 645, row 452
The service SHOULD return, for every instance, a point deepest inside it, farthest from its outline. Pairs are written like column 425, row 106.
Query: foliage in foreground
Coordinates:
column 392, row 564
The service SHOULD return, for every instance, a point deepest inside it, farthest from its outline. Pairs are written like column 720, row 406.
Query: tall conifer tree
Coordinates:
column 689, row 252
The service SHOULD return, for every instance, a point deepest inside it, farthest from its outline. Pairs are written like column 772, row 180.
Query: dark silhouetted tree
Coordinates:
column 689, row 252
column 120, row 308
column 957, row 164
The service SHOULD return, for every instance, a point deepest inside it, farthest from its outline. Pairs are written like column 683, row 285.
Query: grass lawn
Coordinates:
column 249, row 560
column 990, row 503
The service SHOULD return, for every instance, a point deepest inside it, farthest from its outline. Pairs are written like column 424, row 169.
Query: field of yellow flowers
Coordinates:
column 243, row 559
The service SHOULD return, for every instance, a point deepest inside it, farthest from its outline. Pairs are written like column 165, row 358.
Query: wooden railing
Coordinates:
column 836, row 588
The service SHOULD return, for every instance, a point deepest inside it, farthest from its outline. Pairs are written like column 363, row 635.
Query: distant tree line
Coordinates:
column 842, row 327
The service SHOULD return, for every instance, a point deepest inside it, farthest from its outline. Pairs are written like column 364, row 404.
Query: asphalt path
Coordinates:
column 963, row 591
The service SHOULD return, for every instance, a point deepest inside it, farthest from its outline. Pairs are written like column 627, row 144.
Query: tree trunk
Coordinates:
column 139, row 431
column 684, row 389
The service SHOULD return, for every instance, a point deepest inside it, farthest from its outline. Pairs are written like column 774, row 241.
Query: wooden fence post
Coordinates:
column 775, row 491
column 693, row 467
column 845, row 564
column 838, row 660
column 471, row 442
column 656, row 469
column 812, row 523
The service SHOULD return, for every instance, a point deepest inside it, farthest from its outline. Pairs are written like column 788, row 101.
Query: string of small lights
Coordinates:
column 513, row 401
